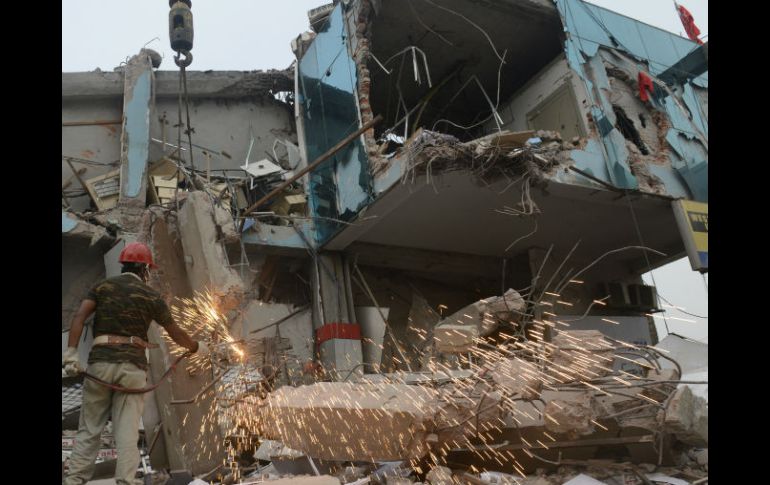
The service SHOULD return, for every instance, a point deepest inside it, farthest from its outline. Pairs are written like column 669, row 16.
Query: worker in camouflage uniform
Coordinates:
column 125, row 306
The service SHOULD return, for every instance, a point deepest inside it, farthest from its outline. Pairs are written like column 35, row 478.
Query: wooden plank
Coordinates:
column 165, row 192
column 163, row 168
column 103, row 202
column 166, row 183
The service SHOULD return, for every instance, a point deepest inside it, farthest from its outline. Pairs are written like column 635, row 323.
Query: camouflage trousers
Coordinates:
column 99, row 403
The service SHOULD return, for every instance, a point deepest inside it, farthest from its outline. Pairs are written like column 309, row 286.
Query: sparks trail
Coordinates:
column 200, row 316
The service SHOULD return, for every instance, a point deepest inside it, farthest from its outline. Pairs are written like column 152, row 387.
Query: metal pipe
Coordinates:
column 92, row 123
column 329, row 153
column 571, row 444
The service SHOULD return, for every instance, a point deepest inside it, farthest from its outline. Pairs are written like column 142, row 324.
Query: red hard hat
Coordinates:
column 136, row 252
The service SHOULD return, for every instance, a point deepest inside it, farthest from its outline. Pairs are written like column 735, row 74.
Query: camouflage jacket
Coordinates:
column 125, row 306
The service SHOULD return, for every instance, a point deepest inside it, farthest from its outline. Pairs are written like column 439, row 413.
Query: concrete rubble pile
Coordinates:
column 490, row 157
column 520, row 417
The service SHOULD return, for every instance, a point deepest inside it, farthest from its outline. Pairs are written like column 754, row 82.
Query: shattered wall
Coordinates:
column 590, row 54
column 607, row 51
column 87, row 136
column 227, row 109
column 224, row 128
column 551, row 79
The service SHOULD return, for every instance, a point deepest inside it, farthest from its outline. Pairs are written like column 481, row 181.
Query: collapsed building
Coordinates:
column 427, row 235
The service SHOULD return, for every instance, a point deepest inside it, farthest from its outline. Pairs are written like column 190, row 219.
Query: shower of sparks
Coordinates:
column 468, row 402
column 201, row 318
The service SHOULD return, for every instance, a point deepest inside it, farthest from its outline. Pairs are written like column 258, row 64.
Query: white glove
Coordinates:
column 71, row 362
column 203, row 349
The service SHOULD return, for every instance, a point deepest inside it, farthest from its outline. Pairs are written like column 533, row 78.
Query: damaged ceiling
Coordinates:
column 528, row 32
column 422, row 220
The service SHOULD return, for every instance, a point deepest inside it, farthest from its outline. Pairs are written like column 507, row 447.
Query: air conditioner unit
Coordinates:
column 617, row 293
column 630, row 296
column 643, row 297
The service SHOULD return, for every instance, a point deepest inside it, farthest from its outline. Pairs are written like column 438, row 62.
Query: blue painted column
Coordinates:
column 138, row 103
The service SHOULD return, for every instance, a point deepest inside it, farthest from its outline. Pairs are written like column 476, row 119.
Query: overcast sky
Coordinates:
column 256, row 34
column 245, row 34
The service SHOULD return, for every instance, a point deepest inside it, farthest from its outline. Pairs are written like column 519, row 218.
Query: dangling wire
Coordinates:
column 189, row 129
column 646, row 258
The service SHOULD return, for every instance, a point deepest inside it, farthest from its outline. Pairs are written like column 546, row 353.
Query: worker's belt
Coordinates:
column 122, row 340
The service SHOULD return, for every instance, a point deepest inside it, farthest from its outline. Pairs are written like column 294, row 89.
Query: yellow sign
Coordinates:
column 693, row 220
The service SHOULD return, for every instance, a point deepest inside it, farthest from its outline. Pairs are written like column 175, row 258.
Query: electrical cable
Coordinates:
column 142, row 390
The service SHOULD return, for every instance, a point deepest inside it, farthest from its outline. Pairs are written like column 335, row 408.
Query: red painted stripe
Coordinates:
column 351, row 331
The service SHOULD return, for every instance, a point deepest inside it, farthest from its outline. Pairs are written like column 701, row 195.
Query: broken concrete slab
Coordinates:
column 498, row 478
column 691, row 355
column 701, row 457
column 518, row 377
column 270, row 449
column 73, row 226
column 455, row 339
column 505, row 307
column 583, row 354
column 573, row 414
column 206, row 261
column 687, row 417
column 464, row 411
column 326, row 420
column 440, row 475
column 484, row 314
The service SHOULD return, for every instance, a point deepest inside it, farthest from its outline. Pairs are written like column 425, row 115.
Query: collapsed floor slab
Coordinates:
column 329, row 420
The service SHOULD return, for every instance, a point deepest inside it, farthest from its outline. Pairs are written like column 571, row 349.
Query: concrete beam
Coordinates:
column 186, row 443
column 206, row 262
column 326, row 420
column 424, row 261
column 282, row 240
column 138, row 104
column 200, row 84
